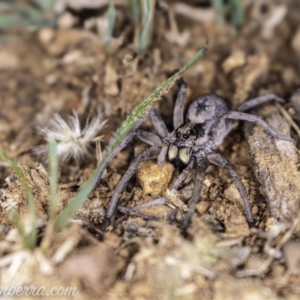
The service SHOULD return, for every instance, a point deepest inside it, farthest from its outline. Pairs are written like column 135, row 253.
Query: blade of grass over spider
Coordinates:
column 53, row 166
column 137, row 114
column 29, row 242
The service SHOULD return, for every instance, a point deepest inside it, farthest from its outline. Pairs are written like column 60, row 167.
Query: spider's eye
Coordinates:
column 178, row 135
column 193, row 132
column 185, row 136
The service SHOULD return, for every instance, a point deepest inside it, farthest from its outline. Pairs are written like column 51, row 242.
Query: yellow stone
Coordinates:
column 153, row 179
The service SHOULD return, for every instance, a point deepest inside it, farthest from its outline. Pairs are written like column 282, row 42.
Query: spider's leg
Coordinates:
column 134, row 213
column 156, row 202
column 163, row 132
column 176, row 184
column 149, row 138
column 178, row 118
column 147, row 154
column 122, row 144
column 236, row 115
column 196, row 192
column 158, row 123
column 258, row 101
column 163, row 153
column 252, row 103
column 219, row 160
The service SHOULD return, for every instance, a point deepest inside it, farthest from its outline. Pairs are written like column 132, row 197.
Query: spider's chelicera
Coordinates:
column 193, row 143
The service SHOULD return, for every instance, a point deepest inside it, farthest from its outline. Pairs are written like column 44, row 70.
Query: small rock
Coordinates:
column 236, row 225
column 8, row 60
column 207, row 182
column 96, row 268
column 291, row 252
column 202, row 207
column 153, row 179
column 237, row 59
column 66, row 20
column 46, row 35
column 232, row 194
column 110, row 81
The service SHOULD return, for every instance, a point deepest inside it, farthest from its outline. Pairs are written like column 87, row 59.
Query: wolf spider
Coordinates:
column 193, row 143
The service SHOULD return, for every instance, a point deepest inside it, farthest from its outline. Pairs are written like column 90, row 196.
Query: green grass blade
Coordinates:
column 111, row 22
column 237, row 13
column 138, row 112
column 53, row 202
column 10, row 21
column 220, row 10
column 31, row 241
column 44, row 5
column 135, row 8
column 16, row 219
column 53, row 166
column 25, row 11
column 148, row 7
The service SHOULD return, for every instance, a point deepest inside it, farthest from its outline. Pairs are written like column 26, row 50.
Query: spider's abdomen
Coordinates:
column 206, row 109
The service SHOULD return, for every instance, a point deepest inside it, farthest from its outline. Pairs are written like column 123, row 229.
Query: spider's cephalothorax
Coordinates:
column 193, row 143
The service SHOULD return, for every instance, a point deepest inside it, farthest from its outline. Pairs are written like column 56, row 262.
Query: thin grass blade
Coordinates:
column 53, row 202
column 111, row 18
column 31, row 241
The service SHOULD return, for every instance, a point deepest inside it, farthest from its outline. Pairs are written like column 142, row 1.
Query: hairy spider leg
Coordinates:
column 251, row 104
column 258, row 101
column 200, row 174
column 147, row 154
column 178, row 117
column 158, row 123
column 149, row 138
column 236, row 115
column 219, row 160
column 134, row 210
column 122, row 144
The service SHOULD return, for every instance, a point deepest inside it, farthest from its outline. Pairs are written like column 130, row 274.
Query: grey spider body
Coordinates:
column 200, row 129
column 193, row 143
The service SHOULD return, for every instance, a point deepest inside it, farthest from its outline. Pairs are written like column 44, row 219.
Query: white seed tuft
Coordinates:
column 72, row 141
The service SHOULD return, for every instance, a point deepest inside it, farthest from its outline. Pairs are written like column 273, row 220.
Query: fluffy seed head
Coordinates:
column 72, row 141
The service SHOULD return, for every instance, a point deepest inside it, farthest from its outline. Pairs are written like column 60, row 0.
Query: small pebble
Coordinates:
column 153, row 179
column 291, row 252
